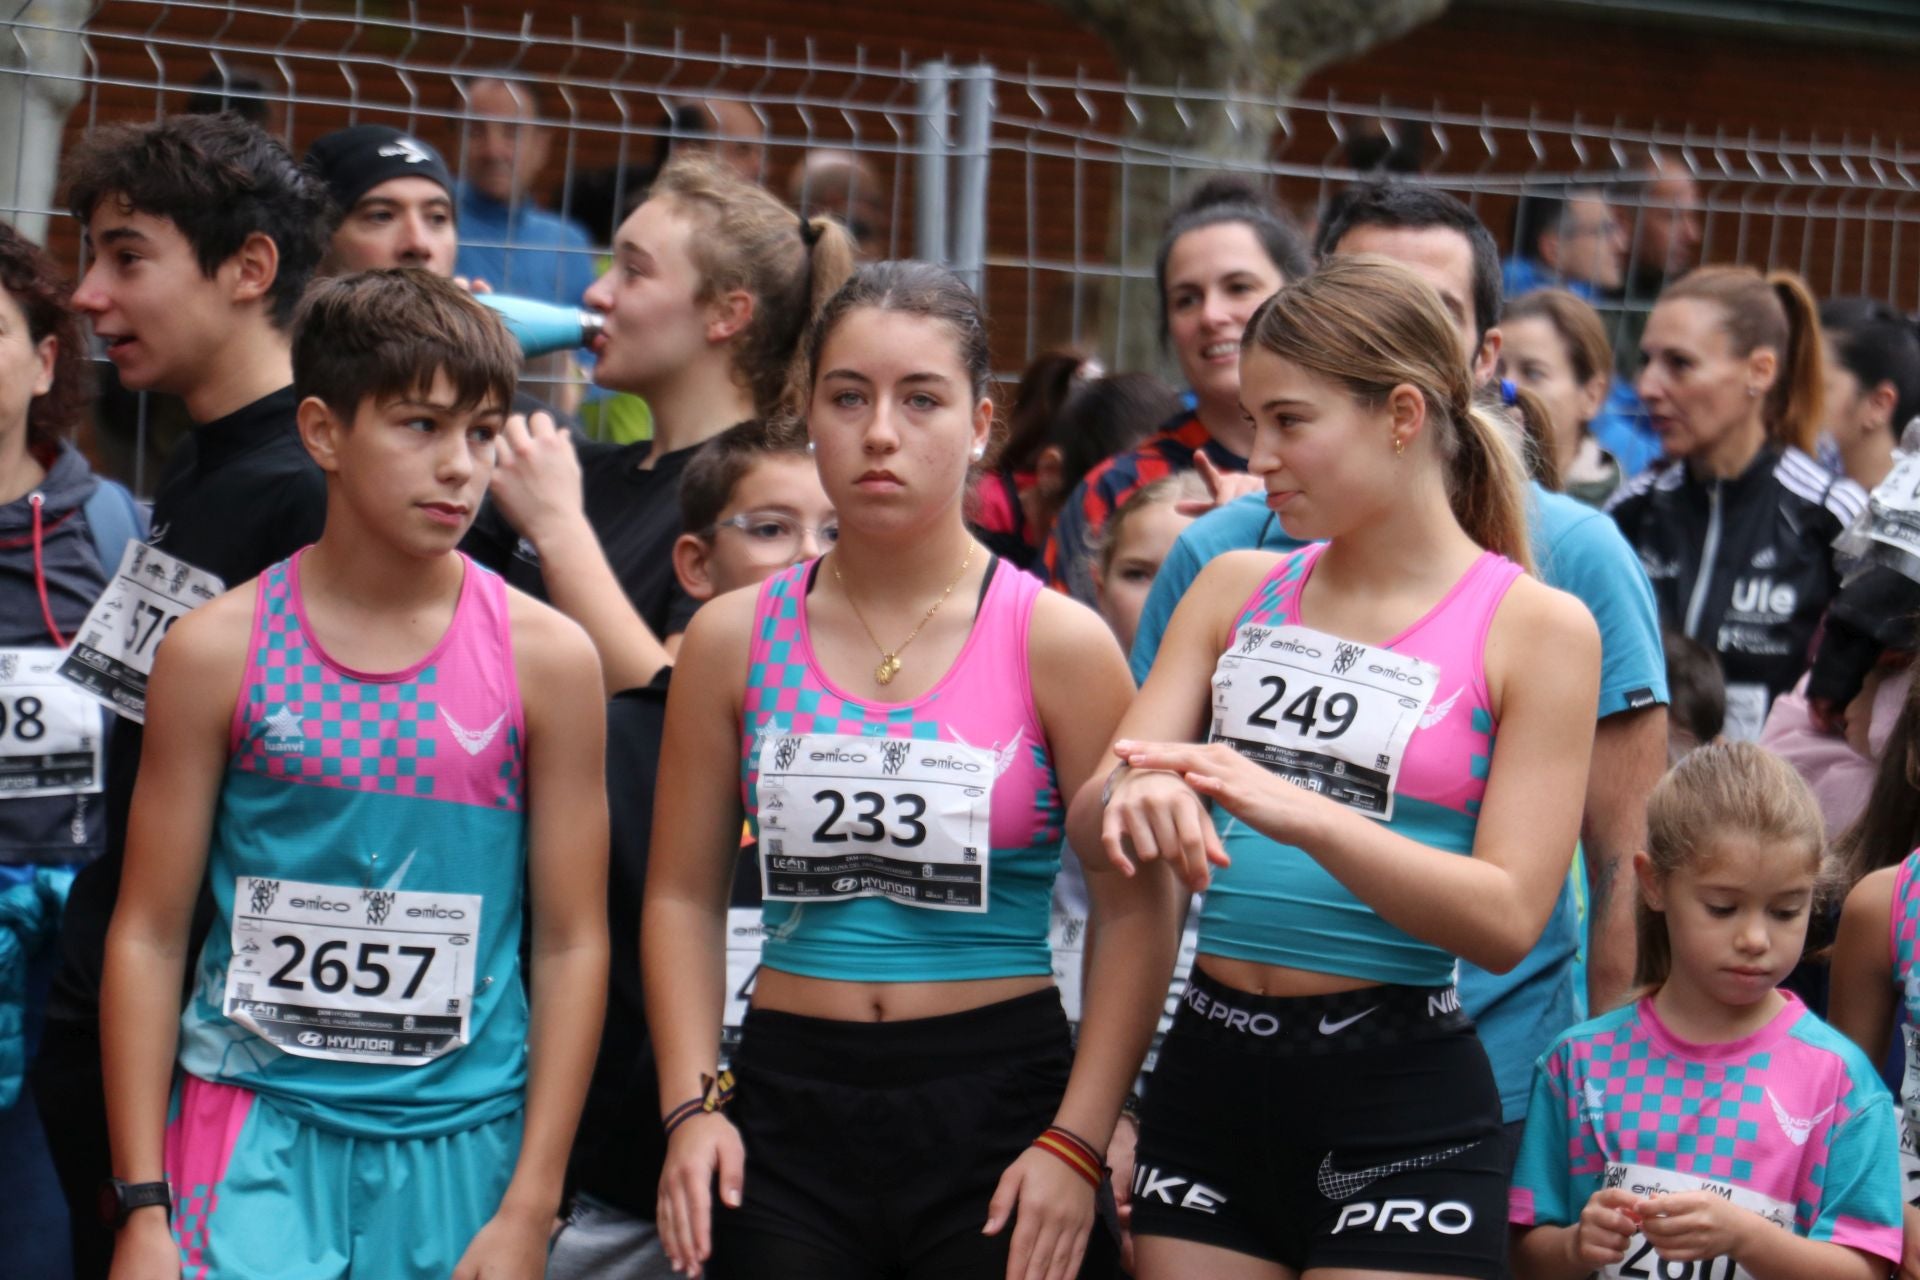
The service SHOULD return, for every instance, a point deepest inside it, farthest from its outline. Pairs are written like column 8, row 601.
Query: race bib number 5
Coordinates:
column 846, row 817
column 1644, row 1263
column 354, row 975
column 1331, row 716
column 112, row 655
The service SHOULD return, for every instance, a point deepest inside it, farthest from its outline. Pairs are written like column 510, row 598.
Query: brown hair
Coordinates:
column 912, row 289
column 1775, row 311
column 1181, row 487
column 1719, row 790
column 747, row 239
column 1371, row 325
column 382, row 334
column 31, row 280
column 707, row 485
column 1888, row 828
column 1581, row 330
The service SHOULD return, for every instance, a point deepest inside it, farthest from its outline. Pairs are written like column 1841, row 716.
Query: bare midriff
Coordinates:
column 1259, row 979
column 885, row 1001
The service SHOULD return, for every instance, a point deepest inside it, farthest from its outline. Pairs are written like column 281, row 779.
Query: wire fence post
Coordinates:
column 970, row 185
column 40, row 81
column 932, row 138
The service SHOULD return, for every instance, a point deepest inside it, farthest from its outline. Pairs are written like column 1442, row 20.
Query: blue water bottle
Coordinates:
column 542, row 328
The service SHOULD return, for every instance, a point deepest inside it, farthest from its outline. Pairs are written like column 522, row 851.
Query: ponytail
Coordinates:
column 1536, row 425
column 1775, row 311
column 1794, row 408
column 1487, row 481
column 831, row 254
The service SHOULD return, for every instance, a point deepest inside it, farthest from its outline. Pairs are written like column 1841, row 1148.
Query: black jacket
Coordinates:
column 1745, row 566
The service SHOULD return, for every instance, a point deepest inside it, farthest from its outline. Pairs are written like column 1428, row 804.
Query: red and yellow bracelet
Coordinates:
column 1076, row 1152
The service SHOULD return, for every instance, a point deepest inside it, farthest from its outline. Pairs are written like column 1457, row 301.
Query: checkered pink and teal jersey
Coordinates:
column 1275, row 904
column 1906, row 976
column 985, row 701
column 1793, row 1117
column 380, row 787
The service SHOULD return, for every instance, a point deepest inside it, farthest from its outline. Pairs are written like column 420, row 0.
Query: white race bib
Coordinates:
column 1747, row 706
column 745, row 934
column 112, row 655
column 1643, row 1263
column 1332, row 716
column 50, row 732
column 849, row 817
column 1910, row 1119
column 354, row 975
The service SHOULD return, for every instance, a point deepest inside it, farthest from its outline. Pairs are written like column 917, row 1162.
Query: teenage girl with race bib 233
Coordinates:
column 902, row 721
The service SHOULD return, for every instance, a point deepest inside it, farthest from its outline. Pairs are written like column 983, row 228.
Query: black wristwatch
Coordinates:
column 119, row 1199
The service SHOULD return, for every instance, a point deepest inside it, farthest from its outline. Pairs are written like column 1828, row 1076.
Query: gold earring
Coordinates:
column 1399, row 445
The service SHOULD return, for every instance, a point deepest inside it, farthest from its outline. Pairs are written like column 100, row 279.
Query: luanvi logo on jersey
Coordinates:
column 1797, row 1128
column 284, row 733
column 1763, row 598
column 473, row 741
column 1151, row 1184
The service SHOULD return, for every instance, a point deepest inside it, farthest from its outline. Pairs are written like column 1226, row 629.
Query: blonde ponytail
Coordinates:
column 1487, row 484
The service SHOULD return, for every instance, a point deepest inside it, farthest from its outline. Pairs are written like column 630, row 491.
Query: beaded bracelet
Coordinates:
column 718, row 1093
column 1076, row 1152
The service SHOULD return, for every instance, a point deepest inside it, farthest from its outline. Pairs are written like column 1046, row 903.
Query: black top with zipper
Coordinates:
column 1743, row 565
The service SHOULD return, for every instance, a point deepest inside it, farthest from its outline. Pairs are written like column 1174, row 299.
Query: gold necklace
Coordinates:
column 890, row 662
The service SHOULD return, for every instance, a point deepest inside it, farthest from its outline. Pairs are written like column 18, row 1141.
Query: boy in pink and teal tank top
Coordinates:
column 346, row 748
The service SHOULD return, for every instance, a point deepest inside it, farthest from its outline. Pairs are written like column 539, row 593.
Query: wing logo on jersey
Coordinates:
column 1434, row 714
column 1003, row 757
column 473, row 741
column 1797, row 1129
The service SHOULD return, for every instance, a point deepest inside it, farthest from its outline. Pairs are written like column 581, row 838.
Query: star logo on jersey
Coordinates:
column 473, row 741
column 1797, row 1129
column 284, row 732
column 1434, row 714
column 1596, row 1101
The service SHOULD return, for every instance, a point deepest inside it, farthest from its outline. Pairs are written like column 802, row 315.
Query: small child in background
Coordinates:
column 1136, row 539
column 1698, row 711
column 1714, row 1128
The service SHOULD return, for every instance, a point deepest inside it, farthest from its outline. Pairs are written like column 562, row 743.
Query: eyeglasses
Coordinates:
column 774, row 535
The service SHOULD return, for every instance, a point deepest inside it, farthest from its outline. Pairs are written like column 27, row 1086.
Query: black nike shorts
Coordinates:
column 873, row 1148
column 1354, row 1130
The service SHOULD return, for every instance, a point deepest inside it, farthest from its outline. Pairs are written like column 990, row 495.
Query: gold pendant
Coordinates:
column 889, row 668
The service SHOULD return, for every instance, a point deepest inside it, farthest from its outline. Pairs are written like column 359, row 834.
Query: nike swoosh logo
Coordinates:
column 1335, row 1028
column 1335, row 1185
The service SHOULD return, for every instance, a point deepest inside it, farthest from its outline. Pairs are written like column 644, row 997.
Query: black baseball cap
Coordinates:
column 354, row 161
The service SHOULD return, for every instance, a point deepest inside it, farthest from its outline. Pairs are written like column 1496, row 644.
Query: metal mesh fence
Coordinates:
column 1045, row 190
